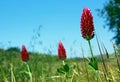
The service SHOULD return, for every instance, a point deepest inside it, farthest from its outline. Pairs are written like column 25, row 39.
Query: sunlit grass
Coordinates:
column 44, row 68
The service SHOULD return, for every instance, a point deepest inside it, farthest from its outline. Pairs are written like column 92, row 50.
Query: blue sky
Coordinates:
column 60, row 20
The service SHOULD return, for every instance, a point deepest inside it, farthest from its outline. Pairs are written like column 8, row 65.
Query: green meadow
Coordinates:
column 43, row 68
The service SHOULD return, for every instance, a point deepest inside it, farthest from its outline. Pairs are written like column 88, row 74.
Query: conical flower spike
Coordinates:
column 87, row 27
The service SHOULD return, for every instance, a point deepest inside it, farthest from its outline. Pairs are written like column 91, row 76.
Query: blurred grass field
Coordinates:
column 44, row 68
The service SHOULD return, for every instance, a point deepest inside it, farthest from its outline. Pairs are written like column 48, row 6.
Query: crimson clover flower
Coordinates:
column 87, row 27
column 61, row 51
column 24, row 54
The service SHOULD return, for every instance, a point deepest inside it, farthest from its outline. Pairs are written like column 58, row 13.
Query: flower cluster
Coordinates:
column 87, row 26
column 61, row 51
column 24, row 54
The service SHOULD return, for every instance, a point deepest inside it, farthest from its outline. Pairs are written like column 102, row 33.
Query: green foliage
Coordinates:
column 64, row 69
column 61, row 70
column 111, row 13
column 93, row 63
column 43, row 68
column 16, row 49
column 1, row 50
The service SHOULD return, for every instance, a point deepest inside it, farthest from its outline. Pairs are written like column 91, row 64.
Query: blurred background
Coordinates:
column 41, row 24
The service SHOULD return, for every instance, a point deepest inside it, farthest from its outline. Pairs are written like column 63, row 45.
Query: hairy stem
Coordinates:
column 91, row 50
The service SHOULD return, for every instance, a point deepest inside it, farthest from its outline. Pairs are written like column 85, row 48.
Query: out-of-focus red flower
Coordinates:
column 24, row 54
column 61, row 51
column 87, row 27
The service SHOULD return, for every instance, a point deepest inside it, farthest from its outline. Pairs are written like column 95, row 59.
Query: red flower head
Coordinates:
column 61, row 51
column 87, row 27
column 24, row 54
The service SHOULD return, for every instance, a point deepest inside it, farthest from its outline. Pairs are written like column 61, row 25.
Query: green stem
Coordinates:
column 63, row 62
column 29, row 72
column 91, row 49
column 96, row 76
column 103, row 62
column 12, row 74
